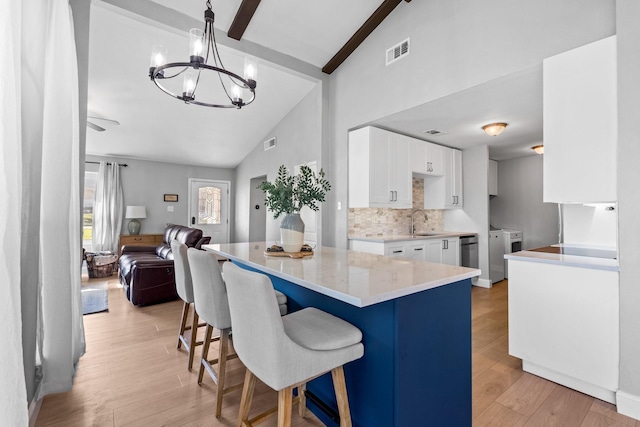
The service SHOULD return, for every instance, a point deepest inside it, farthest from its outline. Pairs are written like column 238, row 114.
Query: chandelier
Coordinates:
column 202, row 46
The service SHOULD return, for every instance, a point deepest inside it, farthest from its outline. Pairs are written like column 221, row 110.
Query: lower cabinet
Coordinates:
column 444, row 251
column 440, row 250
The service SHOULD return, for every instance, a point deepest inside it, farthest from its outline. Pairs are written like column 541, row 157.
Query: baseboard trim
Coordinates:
column 628, row 404
column 482, row 283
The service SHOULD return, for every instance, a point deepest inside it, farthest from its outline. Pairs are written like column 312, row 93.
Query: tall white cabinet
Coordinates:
column 580, row 124
column 379, row 169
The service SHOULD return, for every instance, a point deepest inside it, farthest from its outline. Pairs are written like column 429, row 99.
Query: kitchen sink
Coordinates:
column 433, row 234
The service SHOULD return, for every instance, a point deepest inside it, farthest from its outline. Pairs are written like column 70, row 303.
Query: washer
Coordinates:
column 512, row 243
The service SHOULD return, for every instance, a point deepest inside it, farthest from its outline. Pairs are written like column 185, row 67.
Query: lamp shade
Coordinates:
column 136, row 212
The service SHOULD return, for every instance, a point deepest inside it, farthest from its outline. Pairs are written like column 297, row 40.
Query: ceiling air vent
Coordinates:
column 269, row 143
column 398, row 51
column 433, row 132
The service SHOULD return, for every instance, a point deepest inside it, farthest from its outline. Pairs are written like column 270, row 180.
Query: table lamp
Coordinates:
column 135, row 212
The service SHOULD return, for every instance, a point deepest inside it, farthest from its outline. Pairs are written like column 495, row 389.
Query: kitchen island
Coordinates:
column 416, row 323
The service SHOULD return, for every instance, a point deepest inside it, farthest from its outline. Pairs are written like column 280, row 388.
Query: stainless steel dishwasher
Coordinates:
column 469, row 251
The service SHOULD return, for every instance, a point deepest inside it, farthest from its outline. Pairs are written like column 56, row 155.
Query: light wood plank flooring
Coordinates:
column 133, row 375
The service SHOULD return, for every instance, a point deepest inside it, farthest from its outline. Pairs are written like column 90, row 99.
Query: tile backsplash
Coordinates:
column 376, row 221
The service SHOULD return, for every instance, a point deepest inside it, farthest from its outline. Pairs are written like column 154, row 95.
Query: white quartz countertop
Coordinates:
column 384, row 238
column 357, row 278
column 569, row 256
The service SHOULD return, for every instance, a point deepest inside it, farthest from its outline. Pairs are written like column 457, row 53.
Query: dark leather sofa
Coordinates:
column 146, row 272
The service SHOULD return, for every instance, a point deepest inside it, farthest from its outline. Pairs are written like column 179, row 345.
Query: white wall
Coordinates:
column 144, row 183
column 628, row 15
column 450, row 46
column 519, row 205
column 474, row 216
column 299, row 140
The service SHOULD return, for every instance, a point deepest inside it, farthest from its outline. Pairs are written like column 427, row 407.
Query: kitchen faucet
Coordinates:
column 413, row 211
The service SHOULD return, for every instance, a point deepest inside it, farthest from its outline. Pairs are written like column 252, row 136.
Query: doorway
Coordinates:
column 209, row 208
column 257, row 211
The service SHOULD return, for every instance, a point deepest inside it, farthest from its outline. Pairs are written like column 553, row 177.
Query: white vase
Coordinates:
column 292, row 232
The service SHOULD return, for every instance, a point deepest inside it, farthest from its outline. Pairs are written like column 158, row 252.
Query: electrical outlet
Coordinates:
column 339, row 205
column 169, row 208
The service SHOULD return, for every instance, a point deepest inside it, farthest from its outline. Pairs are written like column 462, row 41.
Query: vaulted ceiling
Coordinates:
column 311, row 39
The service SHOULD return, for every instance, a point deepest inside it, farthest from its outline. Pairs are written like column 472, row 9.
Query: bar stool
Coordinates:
column 286, row 352
column 184, row 287
column 212, row 305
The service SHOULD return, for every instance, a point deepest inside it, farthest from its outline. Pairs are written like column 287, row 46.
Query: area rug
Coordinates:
column 95, row 298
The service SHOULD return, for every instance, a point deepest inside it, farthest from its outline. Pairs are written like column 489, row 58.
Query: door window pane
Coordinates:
column 208, row 205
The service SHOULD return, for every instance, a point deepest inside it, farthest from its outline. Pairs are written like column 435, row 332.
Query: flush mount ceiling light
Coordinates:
column 202, row 46
column 494, row 129
column 538, row 149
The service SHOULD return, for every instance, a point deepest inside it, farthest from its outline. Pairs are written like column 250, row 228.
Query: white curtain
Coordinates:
column 40, row 228
column 108, row 208
column 60, row 329
column 13, row 395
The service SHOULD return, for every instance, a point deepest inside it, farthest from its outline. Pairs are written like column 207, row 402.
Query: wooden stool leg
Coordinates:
column 205, row 351
column 340, row 387
column 285, row 397
column 247, row 396
column 222, row 368
column 183, row 323
column 302, row 403
column 194, row 337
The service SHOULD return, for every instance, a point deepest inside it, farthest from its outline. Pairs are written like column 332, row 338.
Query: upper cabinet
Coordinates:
column 580, row 124
column 379, row 169
column 493, row 178
column 453, row 179
column 445, row 192
column 426, row 158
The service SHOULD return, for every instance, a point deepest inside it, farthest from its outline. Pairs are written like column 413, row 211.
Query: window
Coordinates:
column 208, row 205
column 90, row 180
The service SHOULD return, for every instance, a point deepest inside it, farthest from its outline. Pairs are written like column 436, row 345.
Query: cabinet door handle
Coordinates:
column 417, row 249
column 391, row 196
column 399, row 251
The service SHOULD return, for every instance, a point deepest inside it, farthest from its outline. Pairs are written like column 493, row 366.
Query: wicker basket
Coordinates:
column 101, row 264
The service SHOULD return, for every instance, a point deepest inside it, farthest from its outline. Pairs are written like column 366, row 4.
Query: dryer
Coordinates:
column 512, row 243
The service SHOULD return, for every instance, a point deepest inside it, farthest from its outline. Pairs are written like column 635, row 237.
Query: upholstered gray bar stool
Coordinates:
column 211, row 303
column 286, row 352
column 184, row 287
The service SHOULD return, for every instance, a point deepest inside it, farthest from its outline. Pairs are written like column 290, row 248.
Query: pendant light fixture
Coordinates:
column 204, row 59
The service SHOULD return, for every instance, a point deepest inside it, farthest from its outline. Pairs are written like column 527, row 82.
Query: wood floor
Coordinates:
column 132, row 375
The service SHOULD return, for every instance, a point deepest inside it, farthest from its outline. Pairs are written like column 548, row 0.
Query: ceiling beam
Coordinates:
column 359, row 36
column 242, row 19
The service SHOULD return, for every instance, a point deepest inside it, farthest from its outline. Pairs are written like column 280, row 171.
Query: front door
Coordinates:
column 209, row 208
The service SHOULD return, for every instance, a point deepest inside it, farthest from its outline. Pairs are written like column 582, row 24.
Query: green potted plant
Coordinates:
column 287, row 195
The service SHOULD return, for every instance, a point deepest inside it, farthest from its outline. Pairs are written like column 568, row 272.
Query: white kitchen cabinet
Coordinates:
column 580, row 124
column 379, row 169
column 453, row 179
column 493, row 178
column 564, row 325
column 443, row 251
column 445, row 192
column 426, row 157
